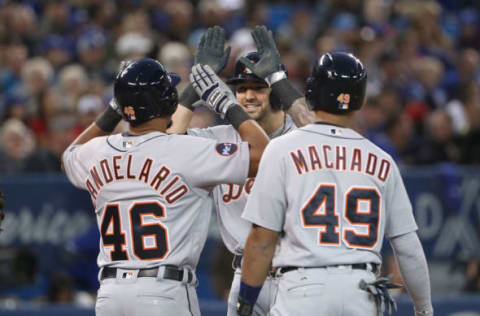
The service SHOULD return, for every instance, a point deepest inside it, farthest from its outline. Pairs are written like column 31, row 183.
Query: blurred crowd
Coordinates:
column 58, row 60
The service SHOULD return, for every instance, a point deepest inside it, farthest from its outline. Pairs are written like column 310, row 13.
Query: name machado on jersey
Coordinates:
column 316, row 157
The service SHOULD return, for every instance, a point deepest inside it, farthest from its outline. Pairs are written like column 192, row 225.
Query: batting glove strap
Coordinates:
column 108, row 120
column 286, row 93
column 188, row 97
column 236, row 115
column 275, row 77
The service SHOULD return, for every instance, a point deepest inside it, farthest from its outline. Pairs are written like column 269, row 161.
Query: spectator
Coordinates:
column 89, row 107
column 16, row 143
column 133, row 46
column 177, row 58
column 47, row 158
column 439, row 144
column 72, row 83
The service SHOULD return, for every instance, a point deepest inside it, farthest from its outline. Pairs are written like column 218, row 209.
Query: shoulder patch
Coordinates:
column 226, row 149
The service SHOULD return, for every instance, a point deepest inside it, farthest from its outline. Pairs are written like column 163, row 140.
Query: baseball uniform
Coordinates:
column 230, row 200
column 151, row 198
column 333, row 196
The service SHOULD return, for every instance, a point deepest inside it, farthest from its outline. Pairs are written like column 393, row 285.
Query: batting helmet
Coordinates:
column 243, row 74
column 337, row 84
column 145, row 90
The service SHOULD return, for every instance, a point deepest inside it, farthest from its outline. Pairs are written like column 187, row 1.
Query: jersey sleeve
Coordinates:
column 222, row 133
column 73, row 162
column 210, row 162
column 400, row 219
column 202, row 132
column 267, row 204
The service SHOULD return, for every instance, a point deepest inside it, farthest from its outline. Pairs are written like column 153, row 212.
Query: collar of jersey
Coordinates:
column 325, row 128
column 116, row 141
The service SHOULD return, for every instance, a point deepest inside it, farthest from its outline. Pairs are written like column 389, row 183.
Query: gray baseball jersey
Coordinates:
column 151, row 193
column 230, row 198
column 332, row 193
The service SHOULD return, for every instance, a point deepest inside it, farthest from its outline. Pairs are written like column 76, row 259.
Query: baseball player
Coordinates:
column 328, row 196
column 151, row 190
column 263, row 99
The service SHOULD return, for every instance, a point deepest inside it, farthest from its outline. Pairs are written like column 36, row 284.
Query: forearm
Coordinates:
column 300, row 113
column 414, row 270
column 259, row 251
column 90, row 132
column 180, row 120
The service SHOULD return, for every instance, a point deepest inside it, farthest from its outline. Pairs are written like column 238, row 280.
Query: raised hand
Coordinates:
column 211, row 49
column 269, row 62
column 211, row 89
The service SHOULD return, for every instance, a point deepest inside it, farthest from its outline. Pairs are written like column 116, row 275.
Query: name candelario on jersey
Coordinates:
column 112, row 170
column 315, row 158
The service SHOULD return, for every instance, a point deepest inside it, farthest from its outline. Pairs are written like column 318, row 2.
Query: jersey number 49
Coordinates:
column 361, row 208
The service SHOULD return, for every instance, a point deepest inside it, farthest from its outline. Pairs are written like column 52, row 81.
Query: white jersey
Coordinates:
column 151, row 193
column 230, row 199
column 332, row 194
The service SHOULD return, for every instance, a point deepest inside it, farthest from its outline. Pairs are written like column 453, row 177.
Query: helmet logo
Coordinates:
column 344, row 100
column 247, row 70
column 130, row 113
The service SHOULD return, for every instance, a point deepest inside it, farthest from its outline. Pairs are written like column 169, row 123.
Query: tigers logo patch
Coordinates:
column 226, row 149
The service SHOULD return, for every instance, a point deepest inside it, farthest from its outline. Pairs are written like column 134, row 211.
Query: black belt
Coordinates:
column 170, row 273
column 357, row 266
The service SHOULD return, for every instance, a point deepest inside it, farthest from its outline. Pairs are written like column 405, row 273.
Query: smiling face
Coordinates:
column 254, row 97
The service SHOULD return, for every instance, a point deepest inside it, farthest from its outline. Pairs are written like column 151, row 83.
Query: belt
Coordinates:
column 170, row 273
column 356, row 266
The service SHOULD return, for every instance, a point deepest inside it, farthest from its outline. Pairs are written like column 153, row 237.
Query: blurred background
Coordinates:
column 57, row 63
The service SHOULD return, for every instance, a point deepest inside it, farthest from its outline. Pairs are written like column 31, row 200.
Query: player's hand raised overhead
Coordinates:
column 211, row 49
column 269, row 67
column 216, row 94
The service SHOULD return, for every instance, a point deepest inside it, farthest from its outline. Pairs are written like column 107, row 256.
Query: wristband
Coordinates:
column 275, row 77
column 286, row 93
column 236, row 115
column 188, row 97
column 108, row 120
column 249, row 293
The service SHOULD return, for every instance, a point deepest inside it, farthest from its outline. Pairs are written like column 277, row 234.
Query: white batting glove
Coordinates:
column 216, row 94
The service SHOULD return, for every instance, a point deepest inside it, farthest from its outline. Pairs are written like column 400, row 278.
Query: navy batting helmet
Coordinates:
column 243, row 74
column 337, row 84
column 145, row 90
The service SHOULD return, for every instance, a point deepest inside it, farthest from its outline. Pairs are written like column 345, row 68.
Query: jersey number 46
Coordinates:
column 361, row 208
column 113, row 236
